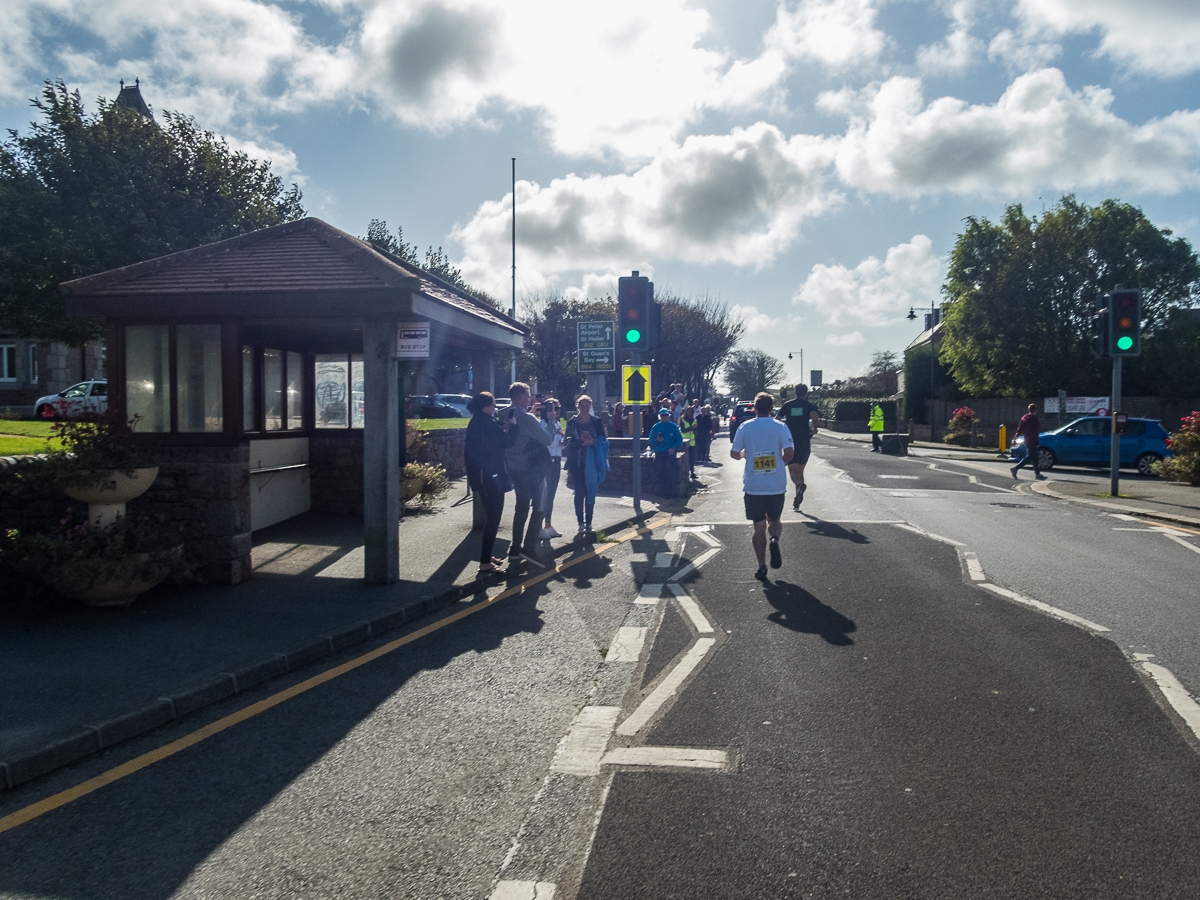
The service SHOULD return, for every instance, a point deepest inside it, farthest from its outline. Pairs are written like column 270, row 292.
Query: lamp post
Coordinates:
column 801, row 352
column 912, row 314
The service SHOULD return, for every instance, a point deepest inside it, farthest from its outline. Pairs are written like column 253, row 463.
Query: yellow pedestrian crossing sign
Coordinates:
column 635, row 385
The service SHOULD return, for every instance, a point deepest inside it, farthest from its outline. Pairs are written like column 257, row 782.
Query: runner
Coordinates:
column 796, row 415
column 767, row 447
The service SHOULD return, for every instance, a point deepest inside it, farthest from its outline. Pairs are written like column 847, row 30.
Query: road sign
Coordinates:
column 412, row 340
column 597, row 350
column 635, row 385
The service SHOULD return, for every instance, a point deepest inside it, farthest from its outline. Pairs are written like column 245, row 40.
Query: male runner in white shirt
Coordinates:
column 767, row 447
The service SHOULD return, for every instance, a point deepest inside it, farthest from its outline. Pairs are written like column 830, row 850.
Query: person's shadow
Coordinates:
column 797, row 609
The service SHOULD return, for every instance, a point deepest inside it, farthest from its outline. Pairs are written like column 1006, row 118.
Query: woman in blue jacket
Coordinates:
column 586, row 448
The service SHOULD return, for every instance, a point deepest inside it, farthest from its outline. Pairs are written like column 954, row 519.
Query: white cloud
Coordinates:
column 836, row 33
column 1040, row 133
column 958, row 51
column 1160, row 37
column 845, row 340
column 738, row 198
column 874, row 292
column 754, row 320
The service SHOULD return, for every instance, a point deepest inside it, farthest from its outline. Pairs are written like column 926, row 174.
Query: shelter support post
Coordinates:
column 381, row 454
column 484, row 365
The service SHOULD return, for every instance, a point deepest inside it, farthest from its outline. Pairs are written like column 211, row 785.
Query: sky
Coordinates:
column 810, row 162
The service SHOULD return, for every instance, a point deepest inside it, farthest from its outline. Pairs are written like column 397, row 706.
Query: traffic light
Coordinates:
column 1100, row 328
column 634, row 302
column 1125, row 322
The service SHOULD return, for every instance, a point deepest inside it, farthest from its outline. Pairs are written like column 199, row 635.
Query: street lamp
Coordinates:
column 912, row 314
column 801, row 352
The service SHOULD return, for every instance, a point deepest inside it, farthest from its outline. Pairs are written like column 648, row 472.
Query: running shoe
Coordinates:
column 776, row 556
column 761, row 574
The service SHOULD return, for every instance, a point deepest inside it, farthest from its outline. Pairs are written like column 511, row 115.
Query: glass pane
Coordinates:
column 248, row 423
column 357, row 414
column 198, row 378
column 272, row 392
column 333, row 390
column 146, row 375
column 295, row 390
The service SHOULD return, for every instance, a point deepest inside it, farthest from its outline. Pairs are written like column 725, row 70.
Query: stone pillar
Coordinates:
column 381, row 454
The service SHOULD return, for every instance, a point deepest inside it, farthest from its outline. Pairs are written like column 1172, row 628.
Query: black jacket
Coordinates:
column 484, row 453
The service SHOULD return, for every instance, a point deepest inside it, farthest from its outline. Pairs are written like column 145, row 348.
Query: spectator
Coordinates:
column 587, row 461
column 704, row 433
column 528, row 461
column 487, row 472
column 687, row 427
column 553, row 426
column 665, row 440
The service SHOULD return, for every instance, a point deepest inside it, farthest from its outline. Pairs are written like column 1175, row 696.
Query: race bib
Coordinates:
column 764, row 462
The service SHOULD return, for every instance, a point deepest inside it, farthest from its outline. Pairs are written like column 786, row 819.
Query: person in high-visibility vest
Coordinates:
column 687, row 427
column 876, row 426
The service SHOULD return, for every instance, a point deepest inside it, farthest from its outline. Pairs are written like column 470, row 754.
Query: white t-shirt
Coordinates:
column 763, row 440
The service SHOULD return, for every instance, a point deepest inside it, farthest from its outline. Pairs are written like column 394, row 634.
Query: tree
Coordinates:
column 1019, row 295
column 87, row 193
column 436, row 263
column 749, row 371
column 551, row 346
column 698, row 335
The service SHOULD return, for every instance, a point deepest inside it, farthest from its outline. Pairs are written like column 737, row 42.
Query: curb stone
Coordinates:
column 88, row 740
column 1044, row 488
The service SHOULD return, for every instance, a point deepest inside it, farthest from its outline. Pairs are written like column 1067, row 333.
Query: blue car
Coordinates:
column 1087, row 441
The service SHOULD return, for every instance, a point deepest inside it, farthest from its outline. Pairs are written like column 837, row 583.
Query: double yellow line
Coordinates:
column 21, row 816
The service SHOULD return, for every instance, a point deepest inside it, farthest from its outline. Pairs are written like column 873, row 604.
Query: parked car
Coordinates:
column 741, row 413
column 1087, row 441
column 458, row 401
column 87, row 396
column 427, row 406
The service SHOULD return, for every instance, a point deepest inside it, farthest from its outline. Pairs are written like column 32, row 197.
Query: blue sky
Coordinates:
column 808, row 162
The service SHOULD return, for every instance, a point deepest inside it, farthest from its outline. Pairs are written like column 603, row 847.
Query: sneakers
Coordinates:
column 582, row 532
column 551, row 531
column 799, row 498
column 1013, row 471
column 1040, row 477
column 761, row 574
column 776, row 556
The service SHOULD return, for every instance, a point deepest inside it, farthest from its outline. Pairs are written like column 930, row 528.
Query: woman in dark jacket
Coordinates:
column 487, row 474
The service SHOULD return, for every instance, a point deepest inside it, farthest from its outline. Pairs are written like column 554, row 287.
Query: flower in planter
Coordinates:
column 435, row 483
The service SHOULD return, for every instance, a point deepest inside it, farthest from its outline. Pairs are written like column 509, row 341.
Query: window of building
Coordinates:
column 33, row 364
column 148, row 376
column 8, row 362
column 274, row 389
column 339, row 390
column 173, row 378
column 198, row 378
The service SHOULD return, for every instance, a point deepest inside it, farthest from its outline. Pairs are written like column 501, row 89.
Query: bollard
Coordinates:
column 1003, row 438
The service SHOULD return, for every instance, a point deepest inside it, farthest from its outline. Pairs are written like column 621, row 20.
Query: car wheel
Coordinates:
column 1046, row 458
column 40, row 412
column 1145, row 462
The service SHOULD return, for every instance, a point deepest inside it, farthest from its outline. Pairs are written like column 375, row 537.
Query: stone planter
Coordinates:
column 113, row 582
column 107, row 495
column 413, row 487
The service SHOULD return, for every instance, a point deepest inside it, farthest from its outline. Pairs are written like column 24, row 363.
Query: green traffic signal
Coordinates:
column 1124, row 343
column 632, row 336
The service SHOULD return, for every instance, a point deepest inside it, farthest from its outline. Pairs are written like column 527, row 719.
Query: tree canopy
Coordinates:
column 1020, row 295
column 436, row 261
column 749, row 371
column 86, row 193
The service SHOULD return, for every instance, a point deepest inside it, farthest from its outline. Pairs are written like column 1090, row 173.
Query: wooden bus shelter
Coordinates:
column 265, row 368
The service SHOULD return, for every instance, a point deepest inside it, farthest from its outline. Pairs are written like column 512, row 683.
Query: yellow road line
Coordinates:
column 62, row 798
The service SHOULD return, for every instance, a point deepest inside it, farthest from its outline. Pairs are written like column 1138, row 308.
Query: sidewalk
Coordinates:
column 952, row 450
column 76, row 679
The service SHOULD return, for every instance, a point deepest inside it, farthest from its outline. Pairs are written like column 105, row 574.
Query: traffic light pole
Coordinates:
column 635, row 358
column 1114, row 457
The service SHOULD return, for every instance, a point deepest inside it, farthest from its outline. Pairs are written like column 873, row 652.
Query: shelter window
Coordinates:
column 198, row 378
column 173, row 378
column 148, row 376
column 8, row 362
column 339, row 390
column 274, row 389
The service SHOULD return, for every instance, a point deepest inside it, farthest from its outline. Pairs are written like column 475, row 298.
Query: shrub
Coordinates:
column 436, row 483
column 1185, row 444
column 962, row 423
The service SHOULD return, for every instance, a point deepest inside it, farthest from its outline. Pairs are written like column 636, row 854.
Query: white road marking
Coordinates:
column 1123, row 517
column 1044, row 607
column 974, row 569
column 668, row 686
column 708, row 539
column 694, row 529
column 523, row 890
column 695, row 564
column 1176, row 695
column 680, row 757
column 972, row 479
column 1183, row 543
column 627, row 645
column 1152, row 530
column 917, row 493
column 663, row 560
column 581, row 749
column 929, row 534
column 905, row 477
column 650, row 593
column 692, row 608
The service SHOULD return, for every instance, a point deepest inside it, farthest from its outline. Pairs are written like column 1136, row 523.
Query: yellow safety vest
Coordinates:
column 876, row 423
column 688, row 431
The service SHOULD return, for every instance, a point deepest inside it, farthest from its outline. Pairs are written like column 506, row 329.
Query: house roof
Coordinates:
column 302, row 260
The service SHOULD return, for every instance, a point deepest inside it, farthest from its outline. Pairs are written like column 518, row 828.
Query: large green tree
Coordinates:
column 83, row 193
column 749, row 371
column 1020, row 294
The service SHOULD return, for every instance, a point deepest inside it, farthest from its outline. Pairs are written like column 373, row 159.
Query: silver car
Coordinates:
column 85, row 397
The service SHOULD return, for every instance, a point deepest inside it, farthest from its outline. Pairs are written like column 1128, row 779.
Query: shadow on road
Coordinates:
column 799, row 610
column 821, row 528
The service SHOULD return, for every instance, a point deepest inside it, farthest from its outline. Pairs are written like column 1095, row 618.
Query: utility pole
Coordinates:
column 514, row 259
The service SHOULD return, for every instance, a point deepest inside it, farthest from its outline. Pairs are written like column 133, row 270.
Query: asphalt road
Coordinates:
column 888, row 717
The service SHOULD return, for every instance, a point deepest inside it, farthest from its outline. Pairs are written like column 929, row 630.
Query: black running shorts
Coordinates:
column 763, row 506
column 800, row 453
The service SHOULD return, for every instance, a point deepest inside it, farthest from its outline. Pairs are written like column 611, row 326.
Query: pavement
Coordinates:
column 1170, row 501
column 77, row 680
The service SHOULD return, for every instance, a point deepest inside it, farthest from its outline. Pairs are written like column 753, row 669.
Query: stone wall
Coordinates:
column 445, row 447
column 207, row 490
column 336, row 466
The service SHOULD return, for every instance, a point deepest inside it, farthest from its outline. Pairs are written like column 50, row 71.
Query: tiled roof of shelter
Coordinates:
column 307, row 255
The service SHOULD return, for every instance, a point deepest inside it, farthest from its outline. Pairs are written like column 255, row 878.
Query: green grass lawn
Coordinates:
column 438, row 424
column 23, row 446
column 30, row 429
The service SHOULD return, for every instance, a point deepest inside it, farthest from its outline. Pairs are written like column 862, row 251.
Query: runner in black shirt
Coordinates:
column 797, row 414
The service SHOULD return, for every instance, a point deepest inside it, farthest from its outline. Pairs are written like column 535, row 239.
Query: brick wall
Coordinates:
column 336, row 461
